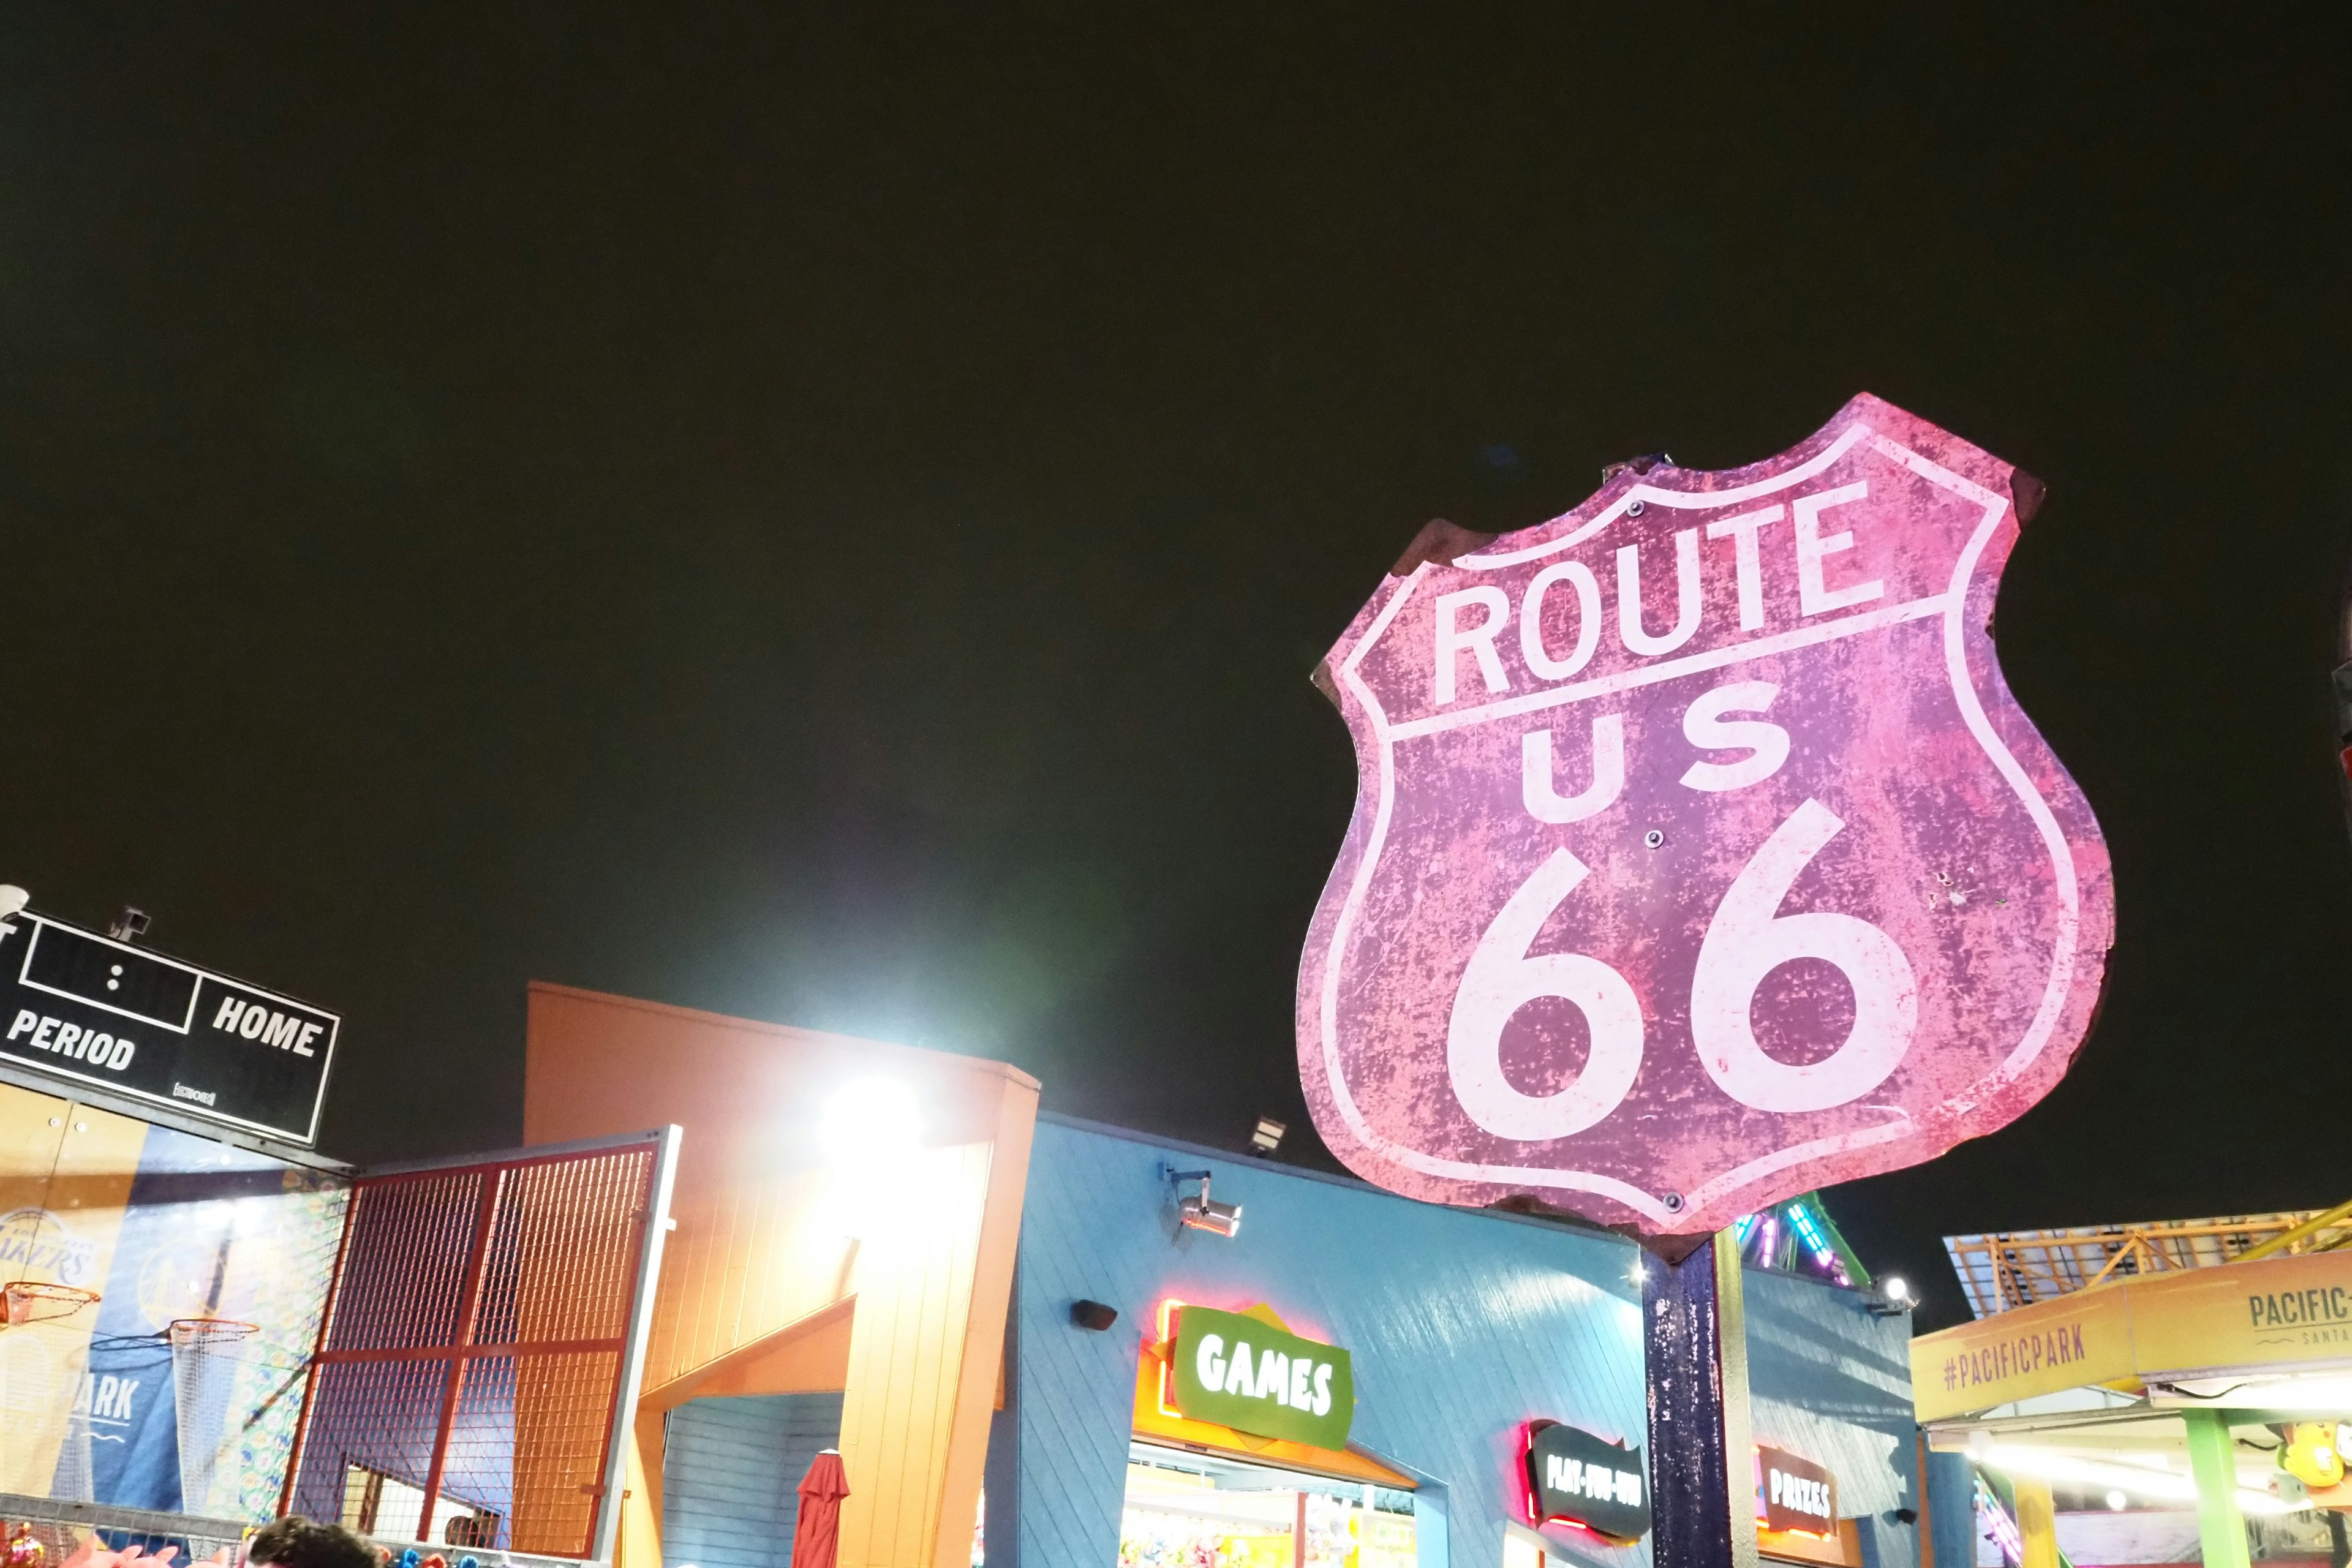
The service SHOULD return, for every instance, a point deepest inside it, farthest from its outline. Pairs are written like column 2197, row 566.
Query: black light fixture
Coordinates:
column 1891, row 1299
column 130, row 925
column 1093, row 1315
column 1268, row 1136
column 1199, row 1210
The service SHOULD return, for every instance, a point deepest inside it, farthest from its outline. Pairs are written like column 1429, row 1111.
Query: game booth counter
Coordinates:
column 1033, row 1342
column 207, row 1324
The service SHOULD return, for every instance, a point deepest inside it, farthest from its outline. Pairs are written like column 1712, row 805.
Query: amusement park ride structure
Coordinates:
column 2006, row 1270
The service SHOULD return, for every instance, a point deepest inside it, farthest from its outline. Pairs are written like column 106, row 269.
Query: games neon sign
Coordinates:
column 1244, row 1371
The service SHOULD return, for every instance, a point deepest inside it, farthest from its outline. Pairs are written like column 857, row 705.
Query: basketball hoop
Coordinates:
column 206, row 1355
column 38, row 1301
column 214, row 1334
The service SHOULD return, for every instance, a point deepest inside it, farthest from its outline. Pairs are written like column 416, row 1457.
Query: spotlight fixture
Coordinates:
column 1199, row 1210
column 130, row 925
column 1891, row 1299
column 869, row 1122
column 1268, row 1136
column 1093, row 1315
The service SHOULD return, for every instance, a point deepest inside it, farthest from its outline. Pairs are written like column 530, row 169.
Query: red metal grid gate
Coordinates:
column 479, row 1359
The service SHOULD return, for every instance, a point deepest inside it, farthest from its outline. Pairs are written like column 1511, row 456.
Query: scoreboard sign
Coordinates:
column 88, row 1009
column 1701, row 856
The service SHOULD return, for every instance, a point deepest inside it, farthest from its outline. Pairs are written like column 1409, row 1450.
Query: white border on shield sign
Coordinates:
column 1951, row 604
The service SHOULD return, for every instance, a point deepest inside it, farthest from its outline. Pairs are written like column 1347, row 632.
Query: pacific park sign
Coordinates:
column 1700, row 854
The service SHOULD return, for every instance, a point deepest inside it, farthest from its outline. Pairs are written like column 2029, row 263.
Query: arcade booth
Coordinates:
column 205, row 1323
column 1486, row 1373
column 2145, row 1394
column 1036, row 1342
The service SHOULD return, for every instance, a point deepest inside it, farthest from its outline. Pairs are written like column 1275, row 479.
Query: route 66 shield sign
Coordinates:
column 1700, row 854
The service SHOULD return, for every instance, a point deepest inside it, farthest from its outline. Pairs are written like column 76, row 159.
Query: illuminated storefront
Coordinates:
column 1102, row 1347
column 1184, row 1508
column 1303, row 1372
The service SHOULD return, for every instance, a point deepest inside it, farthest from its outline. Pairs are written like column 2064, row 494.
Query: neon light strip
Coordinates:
column 1169, row 1308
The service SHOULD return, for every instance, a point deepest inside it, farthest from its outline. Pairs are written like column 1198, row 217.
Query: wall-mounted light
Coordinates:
column 1268, row 1136
column 1094, row 1315
column 1891, row 1299
column 868, row 1121
column 871, row 1133
column 1199, row 1210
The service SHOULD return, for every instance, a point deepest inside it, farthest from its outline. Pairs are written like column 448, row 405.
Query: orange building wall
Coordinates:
column 756, row 1274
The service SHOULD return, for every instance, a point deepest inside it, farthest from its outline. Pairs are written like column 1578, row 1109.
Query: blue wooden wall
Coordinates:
column 1828, row 1381
column 1463, row 1326
column 732, row 1471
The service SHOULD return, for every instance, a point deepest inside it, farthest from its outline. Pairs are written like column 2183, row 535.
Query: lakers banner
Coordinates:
column 164, row 1293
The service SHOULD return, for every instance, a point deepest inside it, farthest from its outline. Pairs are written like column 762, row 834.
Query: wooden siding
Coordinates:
column 731, row 1494
column 1463, row 1326
column 762, row 1240
column 1831, row 1382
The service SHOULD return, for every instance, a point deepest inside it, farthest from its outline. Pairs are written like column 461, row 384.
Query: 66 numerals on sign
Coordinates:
column 1747, row 938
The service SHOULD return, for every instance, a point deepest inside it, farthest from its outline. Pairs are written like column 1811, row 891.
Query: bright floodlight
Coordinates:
column 2117, row 1502
column 1898, row 1288
column 870, row 1119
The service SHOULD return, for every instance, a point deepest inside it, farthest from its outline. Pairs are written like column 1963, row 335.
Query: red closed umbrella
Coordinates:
column 818, row 1534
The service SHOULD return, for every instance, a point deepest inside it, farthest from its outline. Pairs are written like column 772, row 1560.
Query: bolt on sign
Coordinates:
column 1240, row 1372
column 1701, row 856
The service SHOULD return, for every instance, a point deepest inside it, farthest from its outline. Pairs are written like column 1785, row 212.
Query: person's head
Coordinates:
column 298, row 1543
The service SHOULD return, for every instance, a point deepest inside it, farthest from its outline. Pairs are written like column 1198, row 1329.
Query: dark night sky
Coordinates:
column 829, row 520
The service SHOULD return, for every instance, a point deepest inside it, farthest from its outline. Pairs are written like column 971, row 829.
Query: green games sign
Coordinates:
column 1244, row 1373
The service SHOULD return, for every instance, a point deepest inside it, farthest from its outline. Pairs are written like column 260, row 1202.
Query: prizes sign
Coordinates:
column 1240, row 1372
column 1700, row 855
column 1797, row 1494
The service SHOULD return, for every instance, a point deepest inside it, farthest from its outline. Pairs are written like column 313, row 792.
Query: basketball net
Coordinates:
column 206, row 1355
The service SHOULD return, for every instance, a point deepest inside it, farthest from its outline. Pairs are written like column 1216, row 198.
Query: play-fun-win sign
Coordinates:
column 1574, row 1477
column 1700, row 855
column 1242, row 1371
column 86, row 1009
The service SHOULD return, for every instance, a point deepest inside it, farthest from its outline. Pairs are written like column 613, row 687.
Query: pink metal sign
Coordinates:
column 1701, row 856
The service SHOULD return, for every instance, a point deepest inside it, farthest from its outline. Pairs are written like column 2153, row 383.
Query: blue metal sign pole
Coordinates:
column 1702, row 1483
